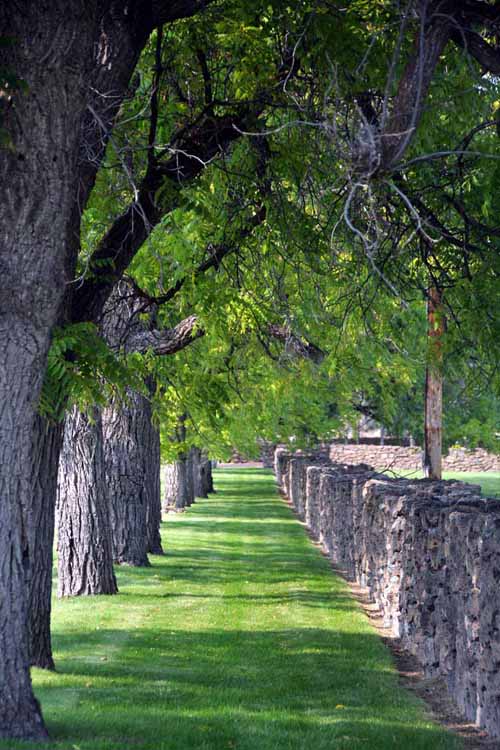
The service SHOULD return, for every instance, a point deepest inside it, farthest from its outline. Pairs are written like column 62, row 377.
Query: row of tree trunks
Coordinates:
column 176, row 485
column 186, row 479
column 84, row 567
column 124, row 444
column 75, row 61
column 121, row 471
column 109, row 495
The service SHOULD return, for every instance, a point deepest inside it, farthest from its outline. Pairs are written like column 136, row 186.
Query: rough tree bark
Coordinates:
column 125, row 425
column 22, row 345
column 186, row 479
column 132, row 442
column 132, row 467
column 176, row 485
column 197, row 469
column 121, row 456
column 40, row 521
column 190, row 462
column 151, row 441
column 202, row 474
column 206, row 476
column 210, row 478
column 84, row 535
column 433, row 413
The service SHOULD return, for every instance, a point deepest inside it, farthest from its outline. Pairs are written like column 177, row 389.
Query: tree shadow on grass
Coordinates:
column 341, row 603
column 254, row 690
column 222, row 562
column 295, row 688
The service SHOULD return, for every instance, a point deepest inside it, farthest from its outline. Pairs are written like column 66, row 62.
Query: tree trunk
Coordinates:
column 210, row 477
column 153, row 490
column 131, row 444
column 84, row 534
column 38, row 183
column 196, row 469
column 433, row 416
column 190, row 462
column 22, row 349
column 40, row 521
column 208, row 483
column 176, row 485
column 124, row 425
column 202, row 470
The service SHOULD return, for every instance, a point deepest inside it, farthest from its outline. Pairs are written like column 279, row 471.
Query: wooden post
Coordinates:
column 432, row 460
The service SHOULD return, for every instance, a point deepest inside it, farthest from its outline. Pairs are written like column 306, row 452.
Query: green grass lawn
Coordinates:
column 239, row 638
column 489, row 481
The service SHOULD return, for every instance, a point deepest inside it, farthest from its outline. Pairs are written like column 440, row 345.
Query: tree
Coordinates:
column 391, row 188
column 43, row 172
column 85, row 564
column 200, row 137
column 103, row 494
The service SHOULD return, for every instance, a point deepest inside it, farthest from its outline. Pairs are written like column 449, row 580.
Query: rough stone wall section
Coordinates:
column 400, row 457
column 459, row 459
column 428, row 554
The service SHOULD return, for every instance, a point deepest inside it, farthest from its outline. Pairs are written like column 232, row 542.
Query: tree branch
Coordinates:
column 167, row 341
column 431, row 39
column 474, row 44
column 216, row 254
column 129, row 231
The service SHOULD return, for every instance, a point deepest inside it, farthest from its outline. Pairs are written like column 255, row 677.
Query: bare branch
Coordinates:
column 130, row 230
column 167, row 341
column 432, row 37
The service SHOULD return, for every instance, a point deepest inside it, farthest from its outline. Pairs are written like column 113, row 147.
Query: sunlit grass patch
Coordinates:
column 240, row 637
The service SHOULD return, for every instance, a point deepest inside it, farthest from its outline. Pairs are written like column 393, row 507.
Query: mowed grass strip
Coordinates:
column 240, row 637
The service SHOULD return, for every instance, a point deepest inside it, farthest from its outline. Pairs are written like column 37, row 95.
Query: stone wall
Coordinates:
column 400, row 457
column 428, row 554
column 459, row 459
